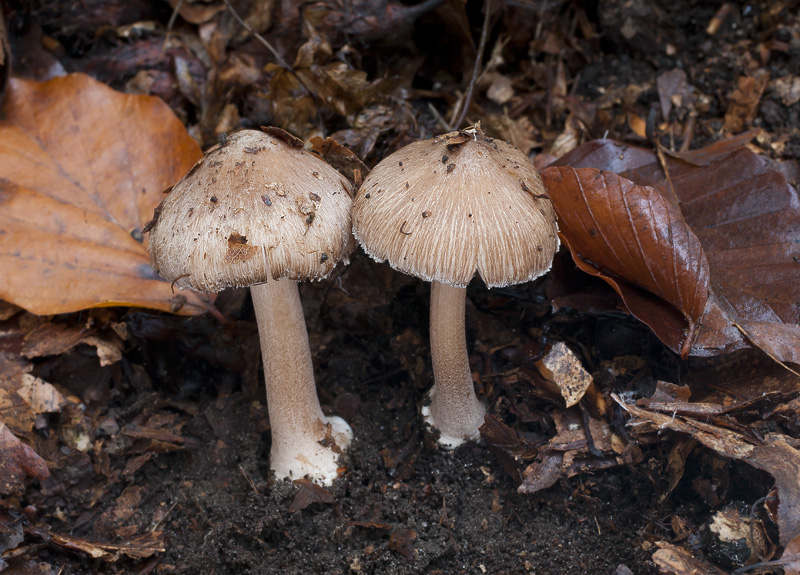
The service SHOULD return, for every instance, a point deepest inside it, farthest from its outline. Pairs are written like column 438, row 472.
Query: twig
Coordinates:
column 250, row 481
column 441, row 121
column 281, row 62
column 753, row 520
column 487, row 6
column 654, row 136
column 170, row 24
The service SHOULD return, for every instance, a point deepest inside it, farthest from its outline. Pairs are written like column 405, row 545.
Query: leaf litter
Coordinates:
column 152, row 425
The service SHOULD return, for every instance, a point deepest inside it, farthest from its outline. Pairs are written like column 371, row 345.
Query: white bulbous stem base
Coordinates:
column 304, row 441
column 454, row 409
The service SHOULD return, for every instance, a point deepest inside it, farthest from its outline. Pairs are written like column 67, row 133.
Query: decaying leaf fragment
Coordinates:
column 54, row 339
column 573, row 450
column 774, row 454
column 308, row 494
column 137, row 547
column 561, row 367
column 81, row 168
column 672, row 560
column 17, row 461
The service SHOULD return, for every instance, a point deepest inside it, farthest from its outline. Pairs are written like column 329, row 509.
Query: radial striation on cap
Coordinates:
column 258, row 206
column 462, row 203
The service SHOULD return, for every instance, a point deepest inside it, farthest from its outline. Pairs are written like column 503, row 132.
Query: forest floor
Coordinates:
column 173, row 477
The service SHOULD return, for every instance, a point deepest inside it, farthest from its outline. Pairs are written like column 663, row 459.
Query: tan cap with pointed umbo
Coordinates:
column 260, row 211
column 257, row 203
column 442, row 210
column 462, row 203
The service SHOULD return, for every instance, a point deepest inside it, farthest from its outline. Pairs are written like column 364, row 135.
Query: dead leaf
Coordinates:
column 673, row 90
column 673, row 560
column 55, row 339
column 790, row 560
column 634, row 239
column 562, row 367
column 125, row 506
column 340, row 157
column 14, row 410
column 308, row 494
column 5, row 57
column 40, row 395
column 774, row 455
column 83, row 167
column 788, row 88
column 744, row 102
column 137, row 547
column 569, row 138
column 402, row 541
column 746, row 217
column 197, row 11
column 18, row 461
column 508, row 447
column 519, row 132
column 572, row 451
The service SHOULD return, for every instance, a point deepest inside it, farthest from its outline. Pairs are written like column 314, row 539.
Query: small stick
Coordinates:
column 281, row 62
column 170, row 24
column 487, row 6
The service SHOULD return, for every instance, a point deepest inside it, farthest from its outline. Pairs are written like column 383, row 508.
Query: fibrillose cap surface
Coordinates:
column 259, row 206
column 446, row 208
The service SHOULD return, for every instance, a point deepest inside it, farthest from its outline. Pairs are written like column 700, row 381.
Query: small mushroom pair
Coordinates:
column 441, row 210
column 260, row 211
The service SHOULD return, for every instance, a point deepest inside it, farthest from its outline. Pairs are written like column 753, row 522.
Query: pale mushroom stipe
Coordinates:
column 260, row 211
column 443, row 210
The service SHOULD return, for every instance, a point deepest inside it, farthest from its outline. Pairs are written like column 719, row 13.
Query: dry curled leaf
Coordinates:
column 634, row 239
column 81, row 169
column 746, row 217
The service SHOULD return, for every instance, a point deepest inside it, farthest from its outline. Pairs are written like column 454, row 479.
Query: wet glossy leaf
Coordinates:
column 81, row 169
column 746, row 217
column 634, row 239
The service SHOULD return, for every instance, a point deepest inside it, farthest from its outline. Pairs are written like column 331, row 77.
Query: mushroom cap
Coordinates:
column 445, row 208
column 257, row 207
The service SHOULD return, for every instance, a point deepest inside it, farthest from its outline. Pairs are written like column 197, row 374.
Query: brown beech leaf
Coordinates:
column 634, row 239
column 747, row 218
column 81, row 169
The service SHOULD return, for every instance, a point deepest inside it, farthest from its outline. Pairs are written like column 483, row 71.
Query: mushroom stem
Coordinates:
column 299, row 428
column 455, row 409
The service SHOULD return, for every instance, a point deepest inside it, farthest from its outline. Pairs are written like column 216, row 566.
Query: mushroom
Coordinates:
column 260, row 211
column 441, row 210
